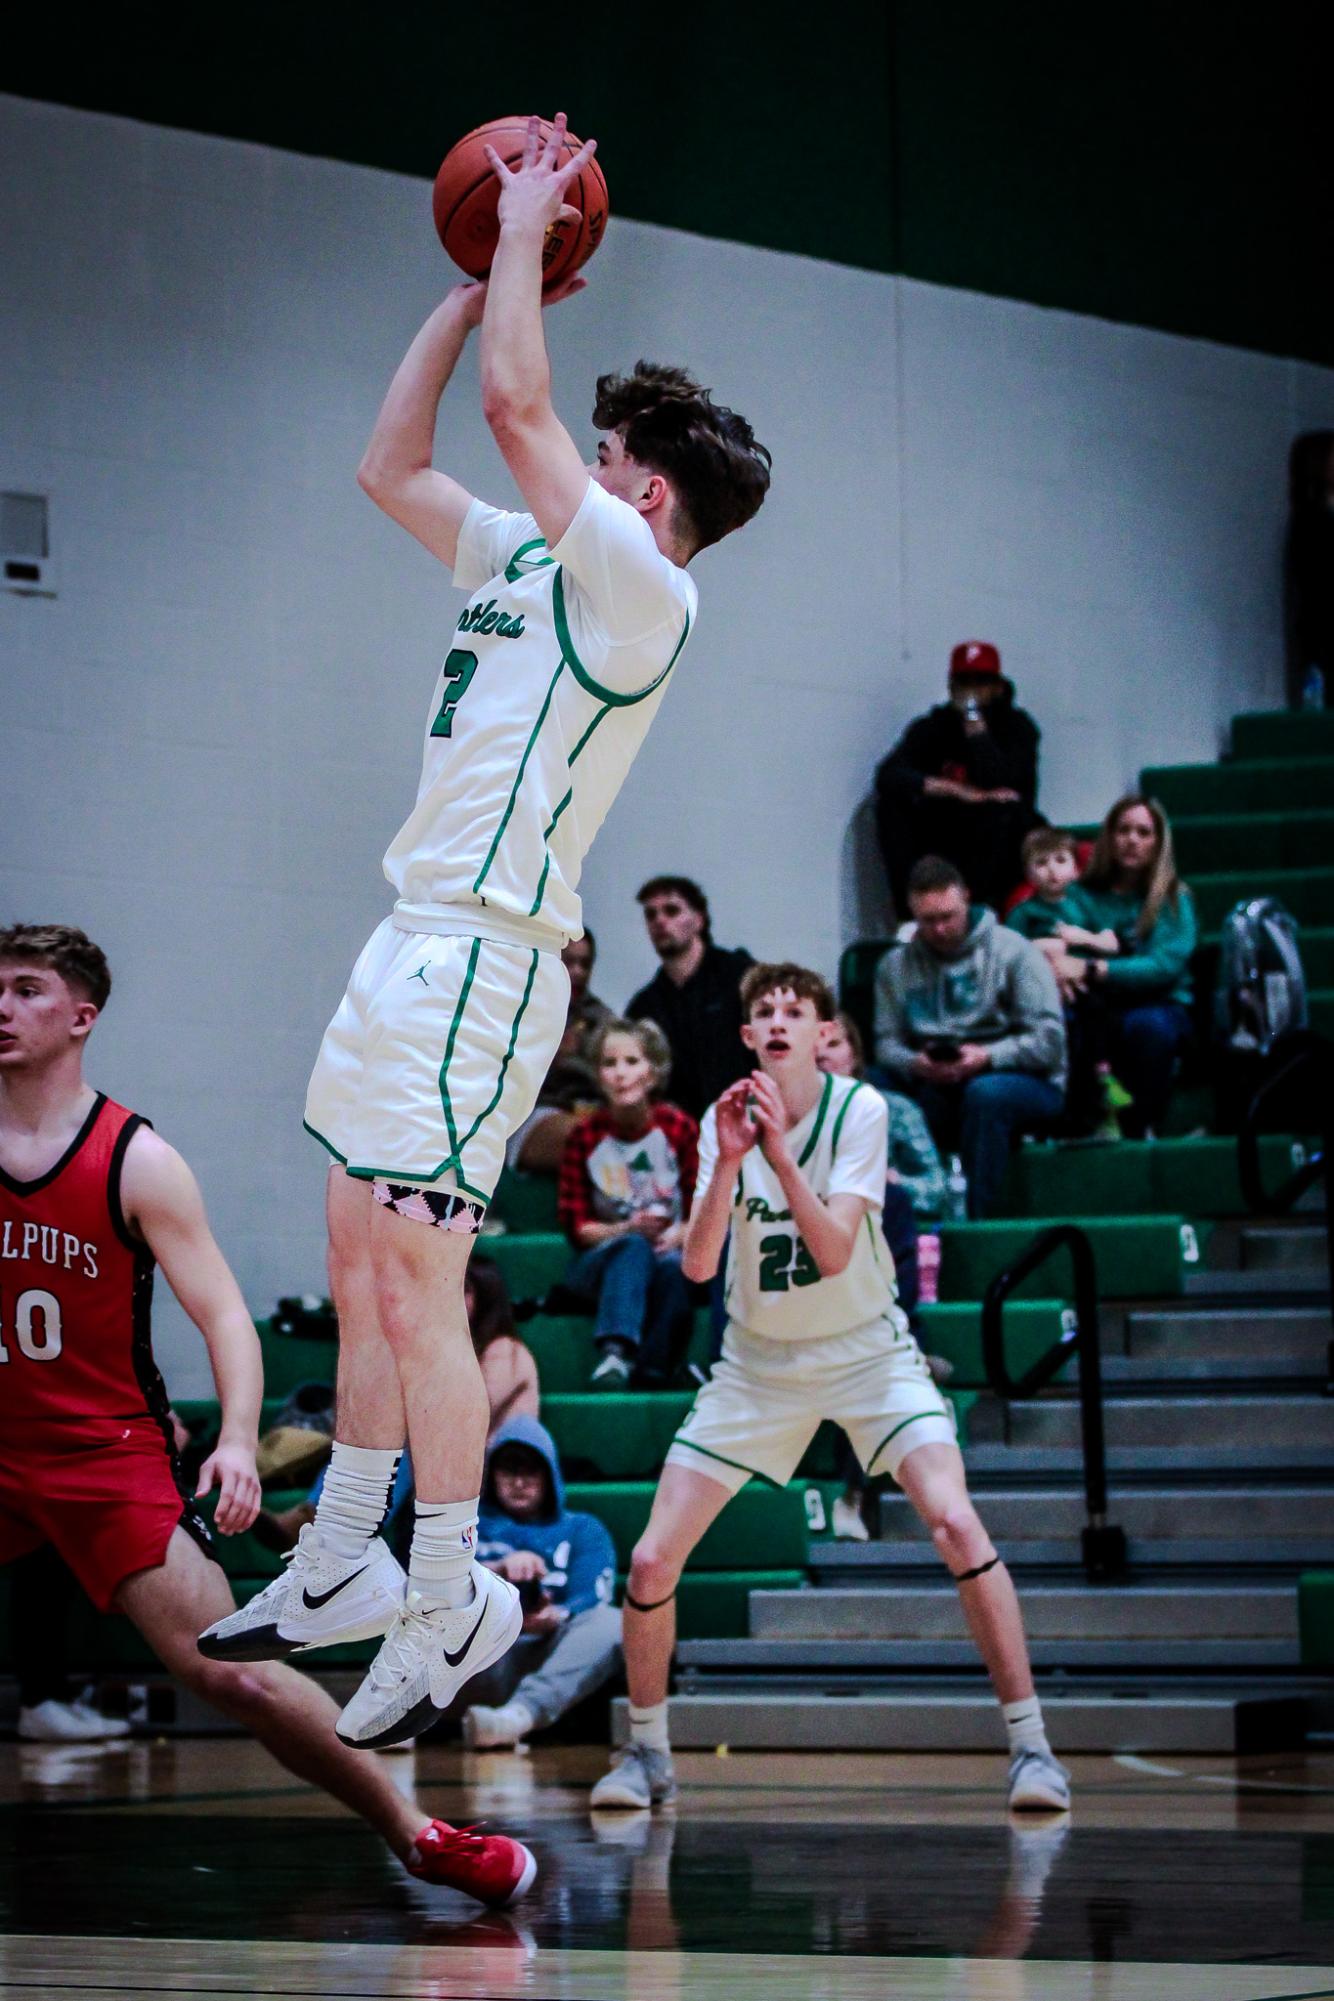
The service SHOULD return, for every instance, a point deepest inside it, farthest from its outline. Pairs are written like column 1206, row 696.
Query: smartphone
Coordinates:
column 941, row 1050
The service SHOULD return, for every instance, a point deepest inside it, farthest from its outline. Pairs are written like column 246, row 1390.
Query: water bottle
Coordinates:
column 956, row 1192
column 1313, row 688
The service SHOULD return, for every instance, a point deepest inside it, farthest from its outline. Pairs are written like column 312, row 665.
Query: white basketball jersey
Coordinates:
column 774, row 1286
column 559, row 663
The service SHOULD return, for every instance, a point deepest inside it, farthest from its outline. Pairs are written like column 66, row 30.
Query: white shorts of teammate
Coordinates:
column 437, row 1052
column 764, row 1402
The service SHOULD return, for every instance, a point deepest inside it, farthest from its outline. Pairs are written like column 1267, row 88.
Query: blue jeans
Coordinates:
column 641, row 1299
column 983, row 1119
column 1143, row 1044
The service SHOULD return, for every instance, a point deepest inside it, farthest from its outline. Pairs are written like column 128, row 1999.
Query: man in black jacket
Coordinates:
column 696, row 997
column 962, row 783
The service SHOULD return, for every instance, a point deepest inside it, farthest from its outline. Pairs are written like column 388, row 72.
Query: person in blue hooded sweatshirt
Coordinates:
column 564, row 1565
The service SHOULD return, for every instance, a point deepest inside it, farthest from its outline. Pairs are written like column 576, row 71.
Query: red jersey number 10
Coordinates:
column 36, row 1326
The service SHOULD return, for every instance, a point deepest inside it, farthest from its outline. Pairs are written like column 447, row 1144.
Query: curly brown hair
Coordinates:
column 63, row 949
column 719, row 473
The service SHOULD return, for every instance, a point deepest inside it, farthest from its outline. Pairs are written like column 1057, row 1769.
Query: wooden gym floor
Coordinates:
column 194, row 1868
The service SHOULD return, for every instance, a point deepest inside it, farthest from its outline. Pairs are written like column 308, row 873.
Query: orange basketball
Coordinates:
column 467, row 193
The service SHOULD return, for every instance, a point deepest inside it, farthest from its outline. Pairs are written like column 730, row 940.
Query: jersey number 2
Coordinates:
column 458, row 671
column 785, row 1262
column 41, row 1346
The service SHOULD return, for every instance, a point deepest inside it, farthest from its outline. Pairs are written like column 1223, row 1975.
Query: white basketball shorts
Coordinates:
column 765, row 1400
column 438, row 1050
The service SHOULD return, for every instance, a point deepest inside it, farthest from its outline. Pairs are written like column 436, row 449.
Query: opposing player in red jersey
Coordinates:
column 90, row 1201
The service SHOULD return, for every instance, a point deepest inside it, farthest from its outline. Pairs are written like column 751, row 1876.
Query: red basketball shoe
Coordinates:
column 490, row 1867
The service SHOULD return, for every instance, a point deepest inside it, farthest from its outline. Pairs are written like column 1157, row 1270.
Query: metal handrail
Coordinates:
column 1103, row 1544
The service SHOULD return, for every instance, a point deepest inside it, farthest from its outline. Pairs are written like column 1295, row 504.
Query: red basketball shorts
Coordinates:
column 104, row 1497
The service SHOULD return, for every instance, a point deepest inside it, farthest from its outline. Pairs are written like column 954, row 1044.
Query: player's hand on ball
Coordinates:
column 231, row 1469
column 737, row 1131
column 533, row 193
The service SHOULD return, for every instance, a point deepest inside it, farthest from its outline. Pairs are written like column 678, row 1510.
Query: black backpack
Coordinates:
column 1261, row 991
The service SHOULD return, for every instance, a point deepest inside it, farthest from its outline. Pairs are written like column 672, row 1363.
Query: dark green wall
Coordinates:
column 1162, row 164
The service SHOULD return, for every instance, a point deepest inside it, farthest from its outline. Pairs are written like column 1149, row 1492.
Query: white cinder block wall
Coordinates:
column 211, row 733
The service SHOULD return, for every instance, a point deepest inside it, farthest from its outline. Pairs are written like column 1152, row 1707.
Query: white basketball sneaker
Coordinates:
column 426, row 1659
column 319, row 1601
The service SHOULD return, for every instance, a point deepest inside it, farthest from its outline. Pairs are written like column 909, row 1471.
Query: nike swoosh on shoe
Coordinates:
column 454, row 1659
column 313, row 1604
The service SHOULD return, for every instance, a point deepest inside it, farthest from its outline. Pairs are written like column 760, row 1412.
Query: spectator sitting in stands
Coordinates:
column 508, row 1371
column 696, row 996
column 627, row 1177
column 564, row 1565
column 1131, row 888
column 962, row 783
column 968, row 1017
column 570, row 1087
column 1050, row 919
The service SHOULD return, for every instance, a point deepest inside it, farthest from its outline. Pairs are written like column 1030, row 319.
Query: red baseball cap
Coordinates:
column 976, row 657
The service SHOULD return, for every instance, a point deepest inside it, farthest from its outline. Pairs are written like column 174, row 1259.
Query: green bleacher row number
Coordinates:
column 782, row 1264
column 458, row 670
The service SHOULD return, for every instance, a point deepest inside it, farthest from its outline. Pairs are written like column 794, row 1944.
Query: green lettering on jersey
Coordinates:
column 485, row 618
column 785, row 1261
column 457, row 674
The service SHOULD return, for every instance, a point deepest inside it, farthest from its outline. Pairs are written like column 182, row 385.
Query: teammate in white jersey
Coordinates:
column 576, row 614
column 792, row 1163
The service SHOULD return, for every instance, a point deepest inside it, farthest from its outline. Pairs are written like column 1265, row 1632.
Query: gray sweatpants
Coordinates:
column 549, row 1672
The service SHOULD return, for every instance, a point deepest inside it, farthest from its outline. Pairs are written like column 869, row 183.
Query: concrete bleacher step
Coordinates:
column 1299, row 1423
column 1284, row 1339
column 1286, row 1247
column 1242, row 1523
column 1131, row 1715
column 929, row 1610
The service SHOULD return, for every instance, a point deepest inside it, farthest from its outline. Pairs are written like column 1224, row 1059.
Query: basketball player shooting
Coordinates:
column 576, row 614
column 91, row 1199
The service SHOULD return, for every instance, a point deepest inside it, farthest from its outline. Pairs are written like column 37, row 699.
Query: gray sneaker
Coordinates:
column 1039, row 1783
column 639, row 1777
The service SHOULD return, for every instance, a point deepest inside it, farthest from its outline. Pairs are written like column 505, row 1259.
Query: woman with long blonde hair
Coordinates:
column 1131, row 888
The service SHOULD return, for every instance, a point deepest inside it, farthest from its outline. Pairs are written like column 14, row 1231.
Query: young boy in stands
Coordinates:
column 1051, row 919
column 626, row 1179
column 792, row 1162
column 564, row 1565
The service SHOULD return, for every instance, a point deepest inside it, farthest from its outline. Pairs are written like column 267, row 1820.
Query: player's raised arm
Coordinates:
column 726, row 1137
column 828, row 1228
column 396, row 470
column 516, row 375
column 163, row 1205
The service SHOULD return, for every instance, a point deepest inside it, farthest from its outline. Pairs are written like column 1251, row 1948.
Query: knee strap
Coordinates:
column 967, row 1576
column 636, row 1606
column 442, row 1208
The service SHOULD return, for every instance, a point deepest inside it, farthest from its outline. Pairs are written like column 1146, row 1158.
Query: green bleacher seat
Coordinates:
column 762, row 1528
column 1307, row 892
column 562, row 1346
column 525, row 1202
column 1032, row 1326
column 1315, row 1617
column 1271, row 733
column 1320, row 1010
column 856, row 982
column 1216, row 843
column 615, row 1437
column 531, row 1262
column 1138, row 1257
column 1261, row 785
column 1194, row 1177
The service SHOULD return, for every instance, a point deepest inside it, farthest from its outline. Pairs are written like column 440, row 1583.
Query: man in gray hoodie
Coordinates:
column 968, row 1019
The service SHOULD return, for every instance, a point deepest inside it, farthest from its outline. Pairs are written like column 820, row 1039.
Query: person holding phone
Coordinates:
column 968, row 1021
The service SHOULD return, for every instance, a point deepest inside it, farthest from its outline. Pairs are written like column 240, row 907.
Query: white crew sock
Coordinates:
column 355, row 1496
column 1024, row 1725
column 649, row 1726
column 509, row 1725
column 444, row 1540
